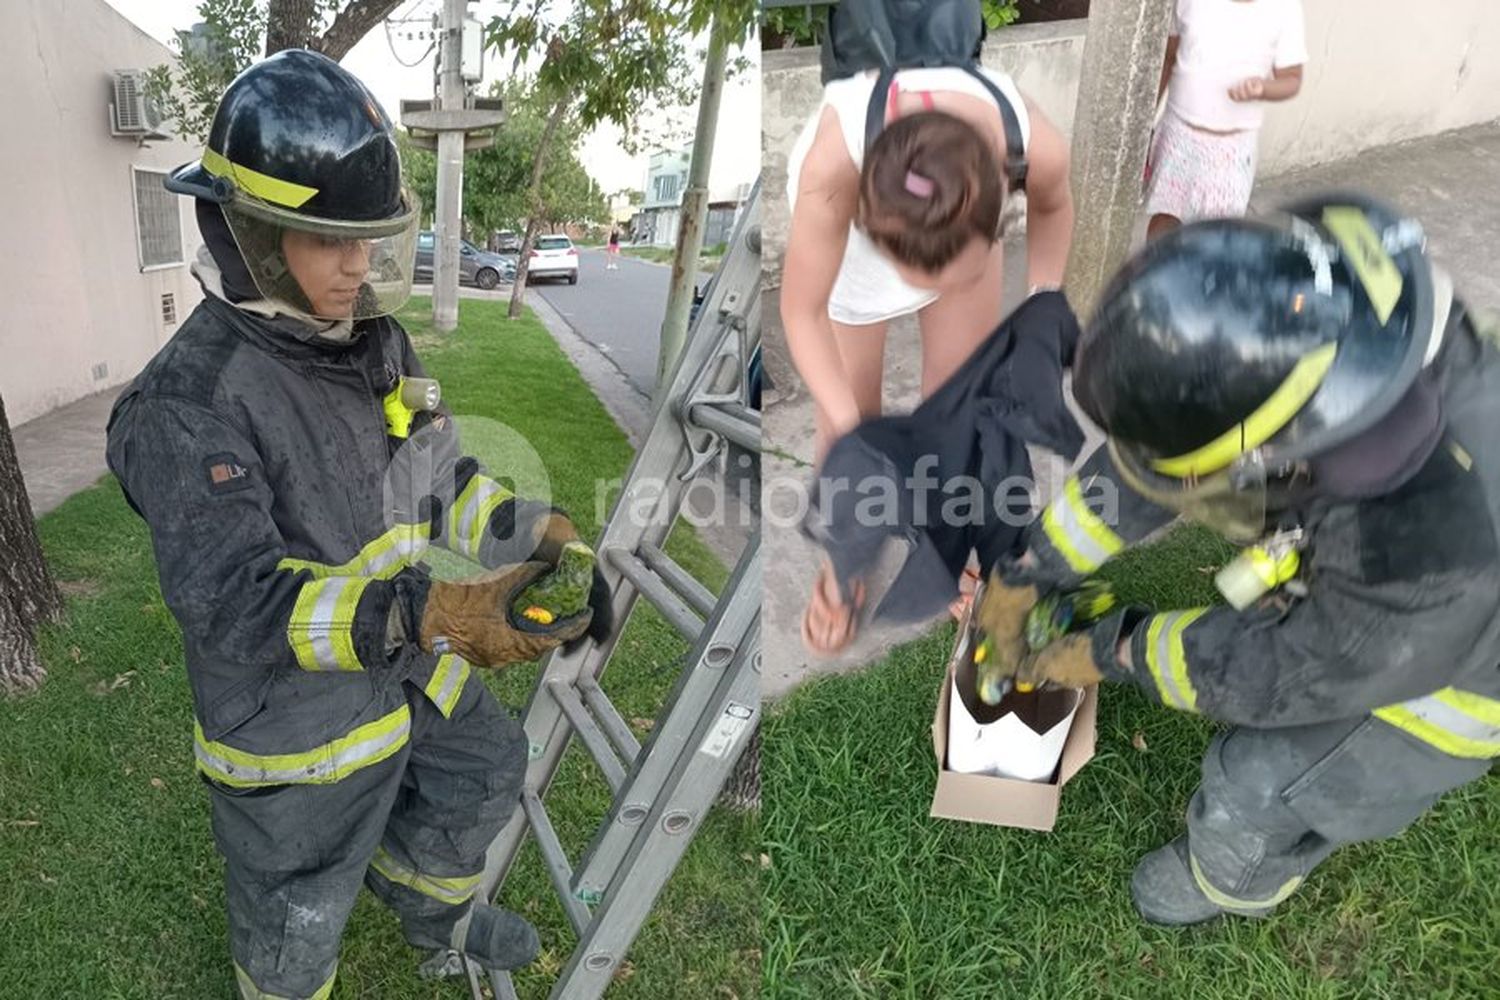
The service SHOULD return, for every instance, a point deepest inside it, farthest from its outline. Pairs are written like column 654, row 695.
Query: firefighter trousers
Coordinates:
column 414, row 827
column 1274, row 803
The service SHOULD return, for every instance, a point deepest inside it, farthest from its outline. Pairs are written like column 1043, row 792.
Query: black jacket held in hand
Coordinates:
column 954, row 475
column 290, row 499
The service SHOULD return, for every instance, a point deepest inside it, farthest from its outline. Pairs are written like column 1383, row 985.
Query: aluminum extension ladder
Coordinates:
column 662, row 791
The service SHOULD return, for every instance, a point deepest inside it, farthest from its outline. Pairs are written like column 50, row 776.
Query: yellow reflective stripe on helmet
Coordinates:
column 249, row 991
column 1082, row 537
column 470, row 514
column 368, row 744
column 262, row 186
column 1366, row 253
column 320, row 629
column 1260, row 426
column 1167, row 659
column 1225, row 901
column 447, row 683
column 452, row 890
column 382, row 558
column 1457, row 722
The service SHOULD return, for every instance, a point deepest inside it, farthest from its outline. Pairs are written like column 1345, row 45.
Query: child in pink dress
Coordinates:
column 1224, row 60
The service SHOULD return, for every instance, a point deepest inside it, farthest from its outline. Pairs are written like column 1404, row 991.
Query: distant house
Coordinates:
column 723, row 212
column 660, row 217
column 94, row 267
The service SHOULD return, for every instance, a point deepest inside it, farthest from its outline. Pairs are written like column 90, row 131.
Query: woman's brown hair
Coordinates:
column 930, row 184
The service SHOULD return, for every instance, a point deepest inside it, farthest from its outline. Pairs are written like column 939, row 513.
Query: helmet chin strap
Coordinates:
column 1442, row 309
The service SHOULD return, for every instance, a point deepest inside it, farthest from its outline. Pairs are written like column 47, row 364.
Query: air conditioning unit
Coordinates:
column 132, row 113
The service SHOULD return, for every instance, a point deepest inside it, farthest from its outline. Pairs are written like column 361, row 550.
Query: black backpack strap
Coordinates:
column 1016, row 163
column 1015, row 143
column 875, row 113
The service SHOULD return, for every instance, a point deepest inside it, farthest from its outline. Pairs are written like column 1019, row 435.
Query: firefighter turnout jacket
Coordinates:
column 290, row 494
column 1397, row 611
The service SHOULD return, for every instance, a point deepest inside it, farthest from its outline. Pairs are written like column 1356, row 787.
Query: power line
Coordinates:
column 390, row 41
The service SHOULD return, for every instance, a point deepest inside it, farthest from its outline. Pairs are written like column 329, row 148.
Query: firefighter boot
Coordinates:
column 1164, row 891
column 500, row 939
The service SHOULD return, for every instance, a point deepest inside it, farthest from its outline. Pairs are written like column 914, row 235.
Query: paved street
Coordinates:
column 619, row 312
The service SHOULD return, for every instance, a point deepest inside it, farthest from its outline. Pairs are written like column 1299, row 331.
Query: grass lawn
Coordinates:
column 112, row 887
column 708, row 260
column 867, row 896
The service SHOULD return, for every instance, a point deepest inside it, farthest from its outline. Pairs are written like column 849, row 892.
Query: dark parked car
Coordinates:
column 475, row 266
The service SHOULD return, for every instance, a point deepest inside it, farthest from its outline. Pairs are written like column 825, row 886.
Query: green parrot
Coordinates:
column 1054, row 615
column 562, row 593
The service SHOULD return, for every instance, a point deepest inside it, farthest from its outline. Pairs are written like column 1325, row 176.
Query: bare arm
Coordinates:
column 827, row 193
column 1168, row 65
column 1049, row 203
column 1282, row 86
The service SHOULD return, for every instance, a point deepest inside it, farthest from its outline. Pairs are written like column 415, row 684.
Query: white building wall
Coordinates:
column 73, row 295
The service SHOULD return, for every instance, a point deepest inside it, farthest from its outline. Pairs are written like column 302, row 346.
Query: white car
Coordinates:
column 554, row 257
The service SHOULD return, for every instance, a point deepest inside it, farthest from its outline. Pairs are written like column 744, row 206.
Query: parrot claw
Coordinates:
column 993, row 689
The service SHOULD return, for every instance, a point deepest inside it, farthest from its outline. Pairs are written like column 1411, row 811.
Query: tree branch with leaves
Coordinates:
column 238, row 32
column 605, row 61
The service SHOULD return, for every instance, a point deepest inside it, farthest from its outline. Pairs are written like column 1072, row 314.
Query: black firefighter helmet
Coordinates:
column 1227, row 353
column 299, row 143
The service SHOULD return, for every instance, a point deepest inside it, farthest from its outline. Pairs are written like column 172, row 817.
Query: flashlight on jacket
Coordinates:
column 1260, row 569
column 406, row 399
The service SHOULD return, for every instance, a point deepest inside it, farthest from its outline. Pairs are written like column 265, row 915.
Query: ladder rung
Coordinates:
column 739, row 424
column 654, row 589
column 679, row 579
column 610, row 720
column 557, row 862
column 588, row 730
column 500, row 983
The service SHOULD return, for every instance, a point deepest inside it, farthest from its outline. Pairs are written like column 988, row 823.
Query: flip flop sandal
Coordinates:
column 960, row 605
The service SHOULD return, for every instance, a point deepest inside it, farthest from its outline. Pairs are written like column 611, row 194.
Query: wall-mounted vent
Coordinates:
column 101, row 372
column 168, row 308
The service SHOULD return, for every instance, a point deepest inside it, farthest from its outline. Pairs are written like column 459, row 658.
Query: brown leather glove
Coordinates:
column 551, row 533
column 474, row 620
column 1002, row 616
column 1066, row 662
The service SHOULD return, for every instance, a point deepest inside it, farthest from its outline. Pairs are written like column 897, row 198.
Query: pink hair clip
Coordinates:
column 916, row 184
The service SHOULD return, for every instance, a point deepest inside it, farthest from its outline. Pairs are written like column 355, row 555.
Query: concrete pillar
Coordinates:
column 450, row 172
column 1122, row 61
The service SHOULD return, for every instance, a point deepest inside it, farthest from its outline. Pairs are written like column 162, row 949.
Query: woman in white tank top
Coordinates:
column 912, row 227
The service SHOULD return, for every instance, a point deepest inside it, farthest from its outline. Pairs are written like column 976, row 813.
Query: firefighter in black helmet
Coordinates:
column 293, row 463
column 1310, row 387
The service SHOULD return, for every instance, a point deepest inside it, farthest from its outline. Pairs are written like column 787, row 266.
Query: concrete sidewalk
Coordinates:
column 1451, row 182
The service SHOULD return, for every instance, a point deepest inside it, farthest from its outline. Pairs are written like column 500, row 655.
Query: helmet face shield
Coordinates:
column 1231, row 501
column 331, row 269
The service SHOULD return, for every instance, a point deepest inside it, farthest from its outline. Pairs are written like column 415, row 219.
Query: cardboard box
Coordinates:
column 982, row 798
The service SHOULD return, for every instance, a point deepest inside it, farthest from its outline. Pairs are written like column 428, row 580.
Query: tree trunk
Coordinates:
column 352, row 24
column 28, row 597
column 20, row 667
column 741, row 791
column 290, row 24
column 518, row 291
